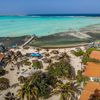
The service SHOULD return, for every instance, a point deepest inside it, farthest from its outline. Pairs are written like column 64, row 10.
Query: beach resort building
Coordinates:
column 95, row 55
column 89, row 89
column 92, row 70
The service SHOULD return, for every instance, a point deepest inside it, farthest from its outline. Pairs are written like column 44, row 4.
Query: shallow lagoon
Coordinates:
column 41, row 26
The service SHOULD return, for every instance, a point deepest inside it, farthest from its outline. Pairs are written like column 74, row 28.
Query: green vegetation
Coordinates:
column 37, row 65
column 18, row 54
column 65, row 56
column 86, row 57
column 94, row 60
column 78, row 53
column 42, row 85
column 10, row 96
column 38, row 85
column 2, row 72
column 61, row 69
column 81, row 79
column 4, row 83
column 88, row 51
column 22, row 79
column 45, row 84
column 27, row 62
column 28, row 91
column 68, row 91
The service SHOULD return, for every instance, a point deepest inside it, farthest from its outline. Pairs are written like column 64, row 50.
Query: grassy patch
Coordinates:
column 37, row 65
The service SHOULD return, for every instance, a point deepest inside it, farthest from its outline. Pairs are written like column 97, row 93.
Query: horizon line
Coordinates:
column 54, row 14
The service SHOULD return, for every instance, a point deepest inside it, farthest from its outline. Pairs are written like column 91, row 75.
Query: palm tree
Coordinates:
column 61, row 69
column 19, row 64
column 10, row 96
column 66, row 56
column 19, row 54
column 9, row 61
column 10, row 58
column 22, row 79
column 68, row 91
column 81, row 79
column 28, row 91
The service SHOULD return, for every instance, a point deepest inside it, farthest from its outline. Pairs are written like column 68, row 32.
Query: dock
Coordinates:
column 29, row 40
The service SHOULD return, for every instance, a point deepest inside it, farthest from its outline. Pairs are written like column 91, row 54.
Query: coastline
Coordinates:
column 12, row 41
column 61, row 39
column 57, row 40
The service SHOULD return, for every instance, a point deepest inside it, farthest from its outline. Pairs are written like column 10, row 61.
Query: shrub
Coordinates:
column 22, row 79
column 2, row 72
column 81, row 78
column 88, row 51
column 94, row 60
column 4, row 83
column 78, row 53
column 37, row 65
column 86, row 55
column 85, row 59
column 27, row 63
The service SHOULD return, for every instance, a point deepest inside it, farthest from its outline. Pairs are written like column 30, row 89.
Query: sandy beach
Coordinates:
column 27, row 70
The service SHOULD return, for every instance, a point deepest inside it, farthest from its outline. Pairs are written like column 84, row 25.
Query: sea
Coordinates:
column 42, row 25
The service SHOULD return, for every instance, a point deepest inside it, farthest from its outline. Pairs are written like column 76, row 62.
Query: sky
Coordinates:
column 13, row 7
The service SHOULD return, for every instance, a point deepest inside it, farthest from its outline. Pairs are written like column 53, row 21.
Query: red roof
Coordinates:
column 95, row 54
column 1, row 56
column 89, row 89
column 92, row 69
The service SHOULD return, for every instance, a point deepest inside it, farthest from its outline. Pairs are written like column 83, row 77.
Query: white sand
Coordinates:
column 13, row 76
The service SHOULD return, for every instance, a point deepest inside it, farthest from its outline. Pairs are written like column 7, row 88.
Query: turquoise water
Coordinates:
column 28, row 25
